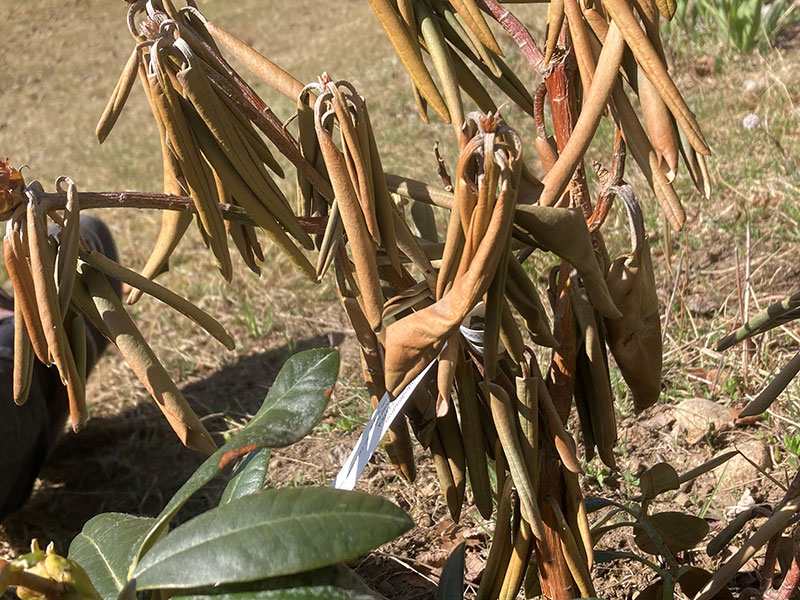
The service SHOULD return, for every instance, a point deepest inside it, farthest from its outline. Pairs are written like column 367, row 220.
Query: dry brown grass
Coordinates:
column 61, row 61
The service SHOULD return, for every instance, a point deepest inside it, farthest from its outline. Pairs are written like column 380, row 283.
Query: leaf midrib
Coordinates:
column 292, row 387
column 117, row 580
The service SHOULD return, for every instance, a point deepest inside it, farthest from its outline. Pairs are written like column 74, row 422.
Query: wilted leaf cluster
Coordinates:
column 471, row 304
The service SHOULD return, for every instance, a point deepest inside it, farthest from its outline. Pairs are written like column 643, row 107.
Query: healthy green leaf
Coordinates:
column 105, row 548
column 248, row 477
column 451, row 583
column 274, row 533
column 678, row 531
column 313, row 592
column 294, row 404
column 336, row 576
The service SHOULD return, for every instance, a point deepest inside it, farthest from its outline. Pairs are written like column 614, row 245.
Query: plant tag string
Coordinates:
column 377, row 426
column 388, row 410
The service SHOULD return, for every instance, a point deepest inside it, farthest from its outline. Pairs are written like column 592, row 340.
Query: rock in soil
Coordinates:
column 739, row 472
column 700, row 416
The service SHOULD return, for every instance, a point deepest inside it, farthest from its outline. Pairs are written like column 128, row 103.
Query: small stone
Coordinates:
column 658, row 421
column 754, row 87
column 700, row 416
column 702, row 304
column 635, row 466
column 338, row 454
column 740, row 472
column 682, row 499
column 424, row 521
column 751, row 122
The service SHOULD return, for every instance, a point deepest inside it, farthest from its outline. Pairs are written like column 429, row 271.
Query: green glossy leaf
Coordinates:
column 248, row 477
column 336, row 576
column 658, row 479
column 678, row 531
column 294, row 404
column 309, row 592
column 105, row 547
column 451, row 583
column 276, row 532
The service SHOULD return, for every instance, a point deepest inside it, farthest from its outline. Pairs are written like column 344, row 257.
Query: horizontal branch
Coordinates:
column 146, row 200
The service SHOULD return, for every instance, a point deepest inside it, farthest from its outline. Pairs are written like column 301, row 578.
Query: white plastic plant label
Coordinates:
column 376, row 428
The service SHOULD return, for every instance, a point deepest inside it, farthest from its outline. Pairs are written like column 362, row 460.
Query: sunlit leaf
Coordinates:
column 277, row 532
column 105, row 547
column 294, row 404
column 249, row 476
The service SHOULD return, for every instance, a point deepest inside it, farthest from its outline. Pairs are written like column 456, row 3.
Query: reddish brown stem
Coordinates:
column 145, row 200
column 538, row 110
column 792, row 579
column 563, row 106
column 560, row 99
column 518, row 32
column 554, row 574
column 614, row 179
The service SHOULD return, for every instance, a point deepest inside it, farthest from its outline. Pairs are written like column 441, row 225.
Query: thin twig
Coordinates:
column 746, row 304
column 145, row 200
column 672, row 296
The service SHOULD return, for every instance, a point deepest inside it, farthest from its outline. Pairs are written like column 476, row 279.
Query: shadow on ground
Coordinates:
column 131, row 462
